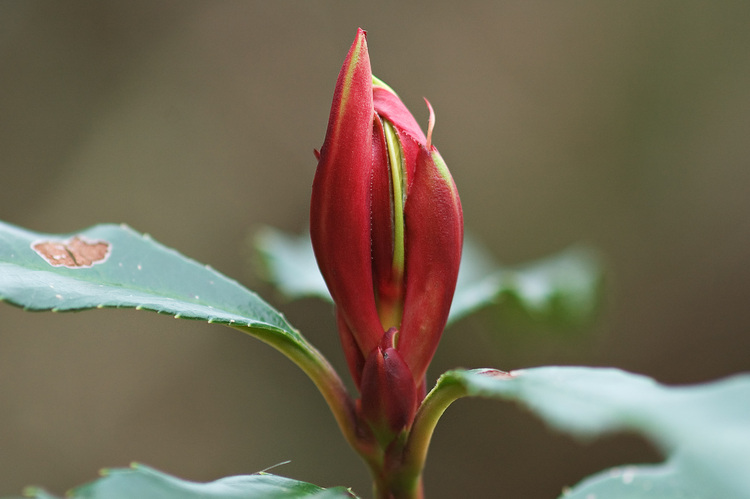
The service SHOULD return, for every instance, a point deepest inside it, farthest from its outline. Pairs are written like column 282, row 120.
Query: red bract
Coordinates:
column 387, row 230
column 389, row 396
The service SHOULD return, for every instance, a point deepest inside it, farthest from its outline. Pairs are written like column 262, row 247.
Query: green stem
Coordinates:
column 385, row 489
column 409, row 475
column 328, row 382
column 397, row 472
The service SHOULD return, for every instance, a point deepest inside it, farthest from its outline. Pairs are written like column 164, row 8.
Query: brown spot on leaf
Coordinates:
column 495, row 373
column 74, row 253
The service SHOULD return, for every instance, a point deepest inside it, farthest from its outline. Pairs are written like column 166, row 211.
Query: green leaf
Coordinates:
column 704, row 430
column 289, row 263
column 142, row 482
column 563, row 286
column 114, row 266
column 34, row 492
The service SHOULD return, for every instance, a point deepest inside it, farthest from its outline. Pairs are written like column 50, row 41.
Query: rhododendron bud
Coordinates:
column 387, row 230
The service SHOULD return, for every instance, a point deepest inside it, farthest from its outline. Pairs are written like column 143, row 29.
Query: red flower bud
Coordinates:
column 389, row 396
column 387, row 230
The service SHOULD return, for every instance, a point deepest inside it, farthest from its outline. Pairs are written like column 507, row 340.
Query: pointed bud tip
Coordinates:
column 361, row 37
column 430, row 123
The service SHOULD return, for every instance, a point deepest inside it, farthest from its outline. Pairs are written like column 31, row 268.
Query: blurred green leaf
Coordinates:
column 114, row 266
column 704, row 430
column 142, row 482
column 288, row 262
column 34, row 492
column 561, row 288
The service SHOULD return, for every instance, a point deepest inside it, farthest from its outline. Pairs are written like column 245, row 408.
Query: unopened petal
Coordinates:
column 434, row 238
column 341, row 202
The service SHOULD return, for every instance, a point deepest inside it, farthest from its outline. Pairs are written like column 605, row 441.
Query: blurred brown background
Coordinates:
column 623, row 125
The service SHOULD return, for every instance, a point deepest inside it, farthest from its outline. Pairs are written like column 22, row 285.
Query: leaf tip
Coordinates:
column 31, row 492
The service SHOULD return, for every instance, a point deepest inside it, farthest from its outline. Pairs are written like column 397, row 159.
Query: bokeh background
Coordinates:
column 624, row 125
